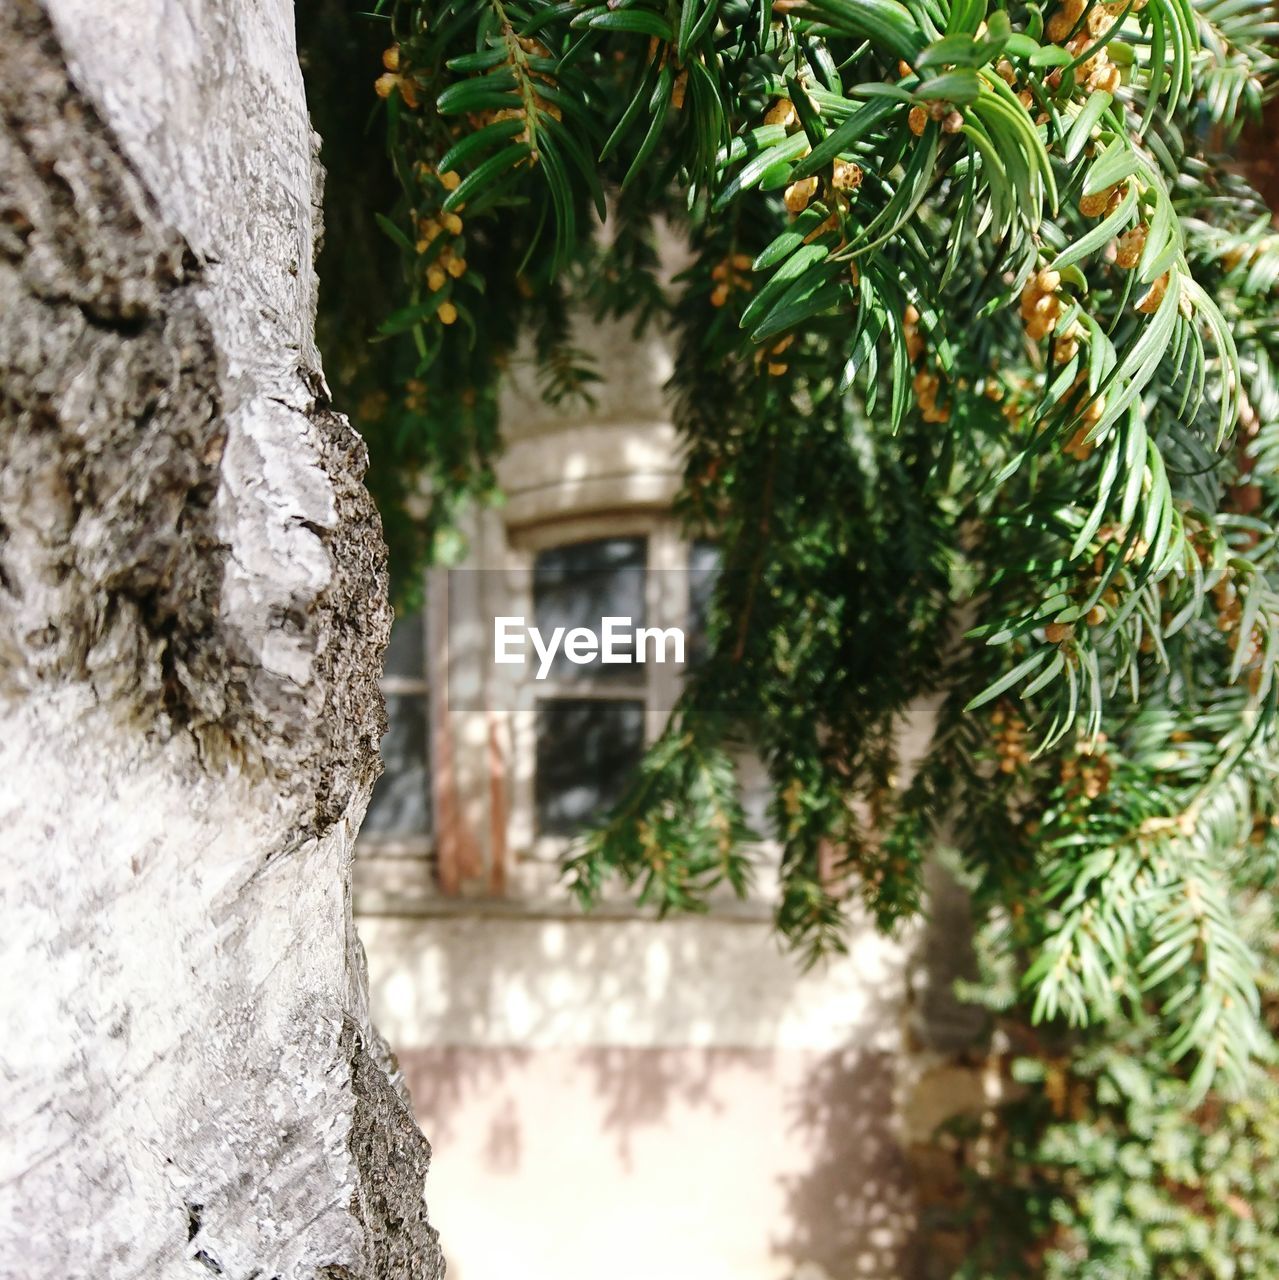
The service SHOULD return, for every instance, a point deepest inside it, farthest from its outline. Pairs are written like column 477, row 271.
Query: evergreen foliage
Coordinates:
column 976, row 377
column 1106, row 1164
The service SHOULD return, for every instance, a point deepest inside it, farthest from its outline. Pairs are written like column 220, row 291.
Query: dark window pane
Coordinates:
column 401, row 803
column 703, row 571
column 581, row 583
column 406, row 653
column 586, row 750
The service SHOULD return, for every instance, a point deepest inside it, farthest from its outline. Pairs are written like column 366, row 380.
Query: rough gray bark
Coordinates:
column 192, row 610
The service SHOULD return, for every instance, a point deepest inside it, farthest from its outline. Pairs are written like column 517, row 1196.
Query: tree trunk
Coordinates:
column 192, row 610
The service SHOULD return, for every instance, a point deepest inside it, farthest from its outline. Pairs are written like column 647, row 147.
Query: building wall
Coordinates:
column 616, row 1096
column 632, row 1098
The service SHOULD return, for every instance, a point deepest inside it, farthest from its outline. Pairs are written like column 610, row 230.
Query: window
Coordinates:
column 399, row 813
column 589, row 723
column 525, row 765
column 577, row 584
column 586, row 750
column 578, row 735
column 703, row 570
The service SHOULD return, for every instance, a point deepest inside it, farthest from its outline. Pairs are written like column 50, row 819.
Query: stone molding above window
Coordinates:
column 573, row 472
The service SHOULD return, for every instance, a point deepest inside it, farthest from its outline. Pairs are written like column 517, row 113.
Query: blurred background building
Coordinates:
column 610, row 1094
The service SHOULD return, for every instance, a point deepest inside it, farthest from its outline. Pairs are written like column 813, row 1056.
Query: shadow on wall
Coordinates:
column 851, row 1212
column 639, row 1088
column 734, row 1163
column 496, row 979
column 634, row 1098
column 634, row 1088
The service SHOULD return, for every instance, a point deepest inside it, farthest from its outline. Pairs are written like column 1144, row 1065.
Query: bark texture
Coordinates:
column 192, row 612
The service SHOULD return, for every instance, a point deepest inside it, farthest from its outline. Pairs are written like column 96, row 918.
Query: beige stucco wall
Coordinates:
column 479, row 980
column 631, row 1098
column 691, row 1164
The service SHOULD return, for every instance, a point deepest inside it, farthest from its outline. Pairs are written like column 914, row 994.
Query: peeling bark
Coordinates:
column 192, row 611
